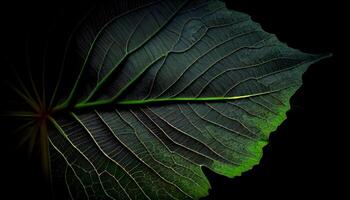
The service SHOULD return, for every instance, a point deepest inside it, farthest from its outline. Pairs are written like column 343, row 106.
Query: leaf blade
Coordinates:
column 205, row 89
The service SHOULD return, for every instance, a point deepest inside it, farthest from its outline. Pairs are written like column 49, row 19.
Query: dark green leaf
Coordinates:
column 163, row 90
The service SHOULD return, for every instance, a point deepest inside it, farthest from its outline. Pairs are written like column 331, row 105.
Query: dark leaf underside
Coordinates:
column 167, row 88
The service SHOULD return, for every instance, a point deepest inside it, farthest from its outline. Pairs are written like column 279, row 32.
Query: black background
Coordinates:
column 306, row 155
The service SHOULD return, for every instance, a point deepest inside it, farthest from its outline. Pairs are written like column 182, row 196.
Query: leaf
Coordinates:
column 163, row 90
